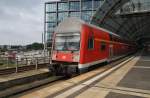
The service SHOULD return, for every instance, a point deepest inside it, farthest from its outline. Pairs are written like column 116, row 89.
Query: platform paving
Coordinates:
column 117, row 95
column 138, row 78
column 130, row 81
column 136, row 82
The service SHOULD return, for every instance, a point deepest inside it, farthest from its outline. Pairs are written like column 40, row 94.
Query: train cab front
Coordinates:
column 65, row 53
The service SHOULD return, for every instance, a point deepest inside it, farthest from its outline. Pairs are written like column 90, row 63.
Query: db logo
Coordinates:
column 64, row 57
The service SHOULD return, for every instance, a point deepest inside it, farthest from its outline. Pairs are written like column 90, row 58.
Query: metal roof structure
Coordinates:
column 127, row 18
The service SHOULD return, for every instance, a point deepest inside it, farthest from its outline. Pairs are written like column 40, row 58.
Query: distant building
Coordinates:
column 57, row 11
column 5, row 47
column 12, row 47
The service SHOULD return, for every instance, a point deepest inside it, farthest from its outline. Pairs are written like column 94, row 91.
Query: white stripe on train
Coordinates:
column 99, row 61
column 91, row 63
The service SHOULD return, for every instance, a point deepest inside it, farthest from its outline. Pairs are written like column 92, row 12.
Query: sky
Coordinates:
column 21, row 21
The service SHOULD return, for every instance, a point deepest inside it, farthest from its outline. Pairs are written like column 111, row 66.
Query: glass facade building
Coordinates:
column 57, row 11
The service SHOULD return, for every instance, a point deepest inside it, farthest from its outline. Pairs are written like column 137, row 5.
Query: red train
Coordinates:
column 78, row 45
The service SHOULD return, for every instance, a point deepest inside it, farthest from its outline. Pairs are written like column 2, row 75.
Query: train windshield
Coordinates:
column 67, row 42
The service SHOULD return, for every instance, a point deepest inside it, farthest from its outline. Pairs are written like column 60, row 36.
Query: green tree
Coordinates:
column 35, row 46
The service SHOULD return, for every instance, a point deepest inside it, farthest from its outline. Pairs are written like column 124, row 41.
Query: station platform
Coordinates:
column 130, row 81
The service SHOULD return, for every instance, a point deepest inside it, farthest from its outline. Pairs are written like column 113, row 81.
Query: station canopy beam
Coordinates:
column 127, row 18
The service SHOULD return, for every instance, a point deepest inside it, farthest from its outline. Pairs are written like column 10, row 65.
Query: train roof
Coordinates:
column 73, row 24
column 69, row 25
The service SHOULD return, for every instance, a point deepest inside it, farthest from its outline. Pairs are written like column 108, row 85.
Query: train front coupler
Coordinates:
column 62, row 69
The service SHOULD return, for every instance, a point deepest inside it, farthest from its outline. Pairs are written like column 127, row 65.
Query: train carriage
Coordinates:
column 78, row 45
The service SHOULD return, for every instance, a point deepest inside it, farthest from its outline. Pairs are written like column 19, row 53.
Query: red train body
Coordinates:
column 78, row 45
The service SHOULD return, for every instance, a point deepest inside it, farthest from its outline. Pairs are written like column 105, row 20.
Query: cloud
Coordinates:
column 21, row 21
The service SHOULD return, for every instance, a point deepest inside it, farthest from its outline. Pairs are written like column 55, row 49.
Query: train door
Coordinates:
column 110, row 52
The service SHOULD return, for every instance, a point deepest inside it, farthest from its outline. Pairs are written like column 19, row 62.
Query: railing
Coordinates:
column 6, row 62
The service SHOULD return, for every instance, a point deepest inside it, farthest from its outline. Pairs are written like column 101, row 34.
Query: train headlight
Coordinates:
column 76, row 58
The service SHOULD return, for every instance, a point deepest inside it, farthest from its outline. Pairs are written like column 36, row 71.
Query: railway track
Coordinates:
column 21, row 69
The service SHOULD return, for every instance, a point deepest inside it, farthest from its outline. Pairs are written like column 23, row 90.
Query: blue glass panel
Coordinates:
column 63, row 6
column 49, row 36
column 87, row 5
column 97, row 4
column 51, row 25
column 62, row 16
column 75, row 14
column 74, row 6
column 51, row 17
column 86, row 16
column 51, row 7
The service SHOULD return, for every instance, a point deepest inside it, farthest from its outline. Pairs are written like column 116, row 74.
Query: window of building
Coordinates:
column 53, row 24
column 50, row 26
column 51, row 17
column 51, row 7
column 97, row 3
column 87, row 5
column 103, row 46
column 86, row 16
column 75, row 14
column 74, row 6
column 50, row 36
column 62, row 16
column 63, row 6
column 50, row 29
column 91, row 43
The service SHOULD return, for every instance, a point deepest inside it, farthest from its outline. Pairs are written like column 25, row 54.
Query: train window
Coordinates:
column 91, row 43
column 111, row 38
column 103, row 46
column 67, row 42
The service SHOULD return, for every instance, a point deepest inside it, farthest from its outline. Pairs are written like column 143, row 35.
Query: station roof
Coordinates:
column 127, row 18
